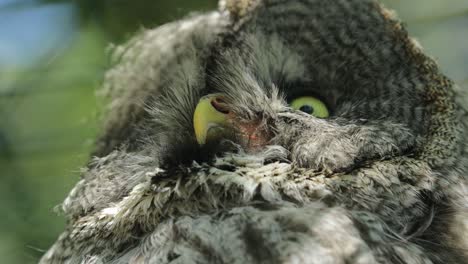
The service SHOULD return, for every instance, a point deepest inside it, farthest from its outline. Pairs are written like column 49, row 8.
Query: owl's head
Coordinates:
column 330, row 86
column 260, row 109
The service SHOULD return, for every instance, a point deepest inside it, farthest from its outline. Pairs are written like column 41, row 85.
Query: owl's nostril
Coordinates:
column 220, row 105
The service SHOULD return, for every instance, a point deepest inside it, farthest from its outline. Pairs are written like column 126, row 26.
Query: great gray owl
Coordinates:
column 274, row 131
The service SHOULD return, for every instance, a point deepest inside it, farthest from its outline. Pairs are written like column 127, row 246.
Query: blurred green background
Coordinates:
column 52, row 60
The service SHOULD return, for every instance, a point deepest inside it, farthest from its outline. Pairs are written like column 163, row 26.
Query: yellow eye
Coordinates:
column 310, row 105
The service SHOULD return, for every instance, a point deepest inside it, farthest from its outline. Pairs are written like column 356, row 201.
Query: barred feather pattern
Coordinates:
column 383, row 180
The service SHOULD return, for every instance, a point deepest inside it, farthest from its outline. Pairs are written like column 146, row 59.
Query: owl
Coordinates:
column 274, row 131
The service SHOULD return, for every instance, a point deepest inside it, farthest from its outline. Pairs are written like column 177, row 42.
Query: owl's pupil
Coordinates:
column 307, row 109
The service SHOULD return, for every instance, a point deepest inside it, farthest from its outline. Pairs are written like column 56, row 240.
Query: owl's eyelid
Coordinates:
column 291, row 97
column 307, row 94
column 298, row 89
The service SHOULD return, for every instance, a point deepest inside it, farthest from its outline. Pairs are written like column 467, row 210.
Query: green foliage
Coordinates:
column 48, row 125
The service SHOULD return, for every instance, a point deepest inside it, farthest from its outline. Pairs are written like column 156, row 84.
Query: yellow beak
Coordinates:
column 208, row 121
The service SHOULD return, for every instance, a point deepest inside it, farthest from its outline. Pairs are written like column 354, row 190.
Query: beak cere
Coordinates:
column 212, row 119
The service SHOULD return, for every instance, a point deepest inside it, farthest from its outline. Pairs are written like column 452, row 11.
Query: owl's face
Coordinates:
column 352, row 100
column 327, row 110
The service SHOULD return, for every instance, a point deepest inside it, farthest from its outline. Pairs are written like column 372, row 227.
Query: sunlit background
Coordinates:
column 52, row 60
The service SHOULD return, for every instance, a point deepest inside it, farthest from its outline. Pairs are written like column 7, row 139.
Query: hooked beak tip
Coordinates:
column 209, row 118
